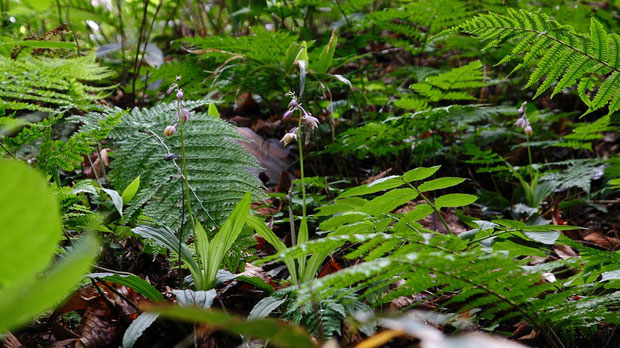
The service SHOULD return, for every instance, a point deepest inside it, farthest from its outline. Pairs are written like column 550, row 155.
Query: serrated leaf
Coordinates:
column 440, row 183
column 454, row 200
column 420, row 173
column 389, row 201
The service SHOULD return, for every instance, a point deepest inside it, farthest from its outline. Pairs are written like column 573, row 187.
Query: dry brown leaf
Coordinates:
column 564, row 251
column 381, row 175
column 11, row 341
column 608, row 243
column 95, row 332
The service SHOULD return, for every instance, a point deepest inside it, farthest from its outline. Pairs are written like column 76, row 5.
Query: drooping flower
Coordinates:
column 520, row 123
column 180, row 94
column 288, row 137
column 528, row 130
column 311, row 121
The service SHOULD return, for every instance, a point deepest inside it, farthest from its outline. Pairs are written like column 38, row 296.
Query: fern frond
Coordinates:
column 560, row 53
column 215, row 163
column 50, row 84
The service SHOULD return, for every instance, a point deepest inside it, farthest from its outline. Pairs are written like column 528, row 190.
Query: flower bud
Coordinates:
column 170, row 130
column 178, row 78
column 180, row 94
column 185, row 115
column 292, row 104
column 288, row 114
column 528, row 130
column 288, row 137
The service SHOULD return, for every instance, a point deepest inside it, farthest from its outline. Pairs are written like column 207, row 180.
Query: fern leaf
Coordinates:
column 598, row 37
column 559, row 52
column 215, row 163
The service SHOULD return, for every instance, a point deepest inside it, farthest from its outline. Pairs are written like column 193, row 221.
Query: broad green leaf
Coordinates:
column 116, row 199
column 454, row 200
column 420, row 173
column 130, row 190
column 420, row 212
column 440, row 183
column 279, row 334
column 327, row 54
column 212, row 111
column 291, row 53
column 30, row 225
column 138, row 284
column 23, row 301
column 137, row 328
column 389, row 201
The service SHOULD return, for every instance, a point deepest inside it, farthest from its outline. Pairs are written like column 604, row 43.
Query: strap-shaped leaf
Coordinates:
column 137, row 328
column 138, row 284
column 224, row 239
column 165, row 237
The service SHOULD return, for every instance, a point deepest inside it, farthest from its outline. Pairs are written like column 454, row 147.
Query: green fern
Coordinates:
column 585, row 133
column 482, row 271
column 215, row 163
column 579, row 173
column 50, row 84
column 562, row 55
column 454, row 85
column 415, row 21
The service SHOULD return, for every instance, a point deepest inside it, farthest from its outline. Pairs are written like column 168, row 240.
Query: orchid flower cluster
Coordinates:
column 306, row 117
column 183, row 115
column 523, row 122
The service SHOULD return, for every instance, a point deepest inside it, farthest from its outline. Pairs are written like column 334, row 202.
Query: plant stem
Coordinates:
column 185, row 178
column 445, row 224
column 301, row 167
